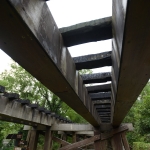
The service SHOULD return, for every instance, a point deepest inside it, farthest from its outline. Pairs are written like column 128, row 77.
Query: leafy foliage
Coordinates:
column 18, row 80
column 141, row 146
column 139, row 115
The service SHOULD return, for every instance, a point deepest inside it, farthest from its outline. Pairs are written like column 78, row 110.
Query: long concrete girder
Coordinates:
column 131, row 49
column 29, row 34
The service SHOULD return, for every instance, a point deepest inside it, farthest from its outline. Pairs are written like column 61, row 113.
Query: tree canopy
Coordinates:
column 18, row 80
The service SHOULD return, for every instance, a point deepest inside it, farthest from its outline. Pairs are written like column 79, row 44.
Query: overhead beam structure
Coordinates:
column 29, row 34
column 91, row 31
column 16, row 112
column 99, row 88
column 93, row 61
column 96, row 77
column 131, row 49
column 100, row 96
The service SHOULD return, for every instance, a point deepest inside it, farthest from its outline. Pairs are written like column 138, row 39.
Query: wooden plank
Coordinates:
column 113, row 132
column 93, row 61
column 29, row 34
column 96, row 77
column 60, row 141
column 91, row 31
column 87, row 141
column 131, row 46
column 64, row 143
column 104, row 136
column 125, row 141
column 99, row 88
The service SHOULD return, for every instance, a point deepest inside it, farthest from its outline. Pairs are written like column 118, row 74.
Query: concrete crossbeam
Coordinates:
column 91, row 31
column 93, row 61
column 96, row 77
column 99, row 88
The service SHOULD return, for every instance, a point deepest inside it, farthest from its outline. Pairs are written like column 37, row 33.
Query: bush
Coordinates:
column 141, row 146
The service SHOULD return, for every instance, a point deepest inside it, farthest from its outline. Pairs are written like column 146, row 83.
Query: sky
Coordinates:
column 70, row 12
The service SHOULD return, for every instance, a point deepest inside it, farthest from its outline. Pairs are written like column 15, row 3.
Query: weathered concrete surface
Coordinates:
column 91, row 31
column 29, row 34
column 130, row 54
column 96, row 77
column 93, row 61
column 14, row 111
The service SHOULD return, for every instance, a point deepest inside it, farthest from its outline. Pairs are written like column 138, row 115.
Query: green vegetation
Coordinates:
column 141, row 146
column 139, row 115
column 18, row 80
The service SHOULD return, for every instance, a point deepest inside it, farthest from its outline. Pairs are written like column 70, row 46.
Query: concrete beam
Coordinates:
column 96, row 77
column 93, row 61
column 72, row 127
column 29, row 34
column 13, row 111
column 106, row 101
column 99, row 88
column 91, row 31
column 131, row 54
column 85, row 127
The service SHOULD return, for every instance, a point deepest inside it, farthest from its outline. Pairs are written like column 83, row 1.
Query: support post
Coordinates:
column 63, row 137
column 48, row 139
column 33, row 140
column 99, row 144
column 125, row 141
column 74, row 138
column 117, row 142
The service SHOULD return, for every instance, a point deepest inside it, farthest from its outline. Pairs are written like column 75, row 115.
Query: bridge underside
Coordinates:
column 29, row 34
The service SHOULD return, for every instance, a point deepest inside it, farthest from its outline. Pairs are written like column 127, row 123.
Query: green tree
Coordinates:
column 18, row 80
column 139, row 115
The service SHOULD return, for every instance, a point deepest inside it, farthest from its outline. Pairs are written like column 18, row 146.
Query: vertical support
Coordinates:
column 48, row 139
column 117, row 142
column 74, row 138
column 100, row 145
column 125, row 141
column 63, row 137
column 33, row 140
